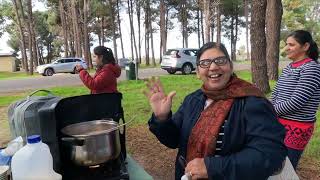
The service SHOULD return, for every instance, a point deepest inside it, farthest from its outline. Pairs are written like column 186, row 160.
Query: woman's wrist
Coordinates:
column 162, row 117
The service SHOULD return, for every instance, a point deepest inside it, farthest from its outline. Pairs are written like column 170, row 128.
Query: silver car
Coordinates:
column 179, row 59
column 63, row 65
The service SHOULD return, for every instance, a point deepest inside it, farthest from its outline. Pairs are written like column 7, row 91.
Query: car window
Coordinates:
column 171, row 52
column 190, row 52
column 60, row 61
column 78, row 60
column 69, row 60
column 187, row 52
column 193, row 52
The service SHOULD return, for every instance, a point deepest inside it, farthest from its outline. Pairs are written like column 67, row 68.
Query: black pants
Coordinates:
column 294, row 156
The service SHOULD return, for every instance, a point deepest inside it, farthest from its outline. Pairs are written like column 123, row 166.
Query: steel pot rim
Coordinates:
column 91, row 134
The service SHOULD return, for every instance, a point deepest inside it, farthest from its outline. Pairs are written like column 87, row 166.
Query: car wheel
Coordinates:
column 171, row 71
column 186, row 68
column 49, row 72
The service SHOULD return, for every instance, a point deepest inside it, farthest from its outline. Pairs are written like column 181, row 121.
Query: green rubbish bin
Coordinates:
column 130, row 71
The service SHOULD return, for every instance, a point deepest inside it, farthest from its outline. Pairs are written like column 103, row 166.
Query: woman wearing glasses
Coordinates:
column 296, row 96
column 225, row 130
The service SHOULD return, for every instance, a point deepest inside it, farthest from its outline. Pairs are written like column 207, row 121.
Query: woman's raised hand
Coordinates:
column 159, row 101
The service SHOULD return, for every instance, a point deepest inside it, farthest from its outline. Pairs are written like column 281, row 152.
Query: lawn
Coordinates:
column 15, row 75
column 134, row 102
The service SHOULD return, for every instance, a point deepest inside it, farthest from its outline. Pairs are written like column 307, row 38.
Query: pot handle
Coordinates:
column 74, row 141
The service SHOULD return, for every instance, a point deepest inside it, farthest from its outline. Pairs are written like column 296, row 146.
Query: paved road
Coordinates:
column 20, row 85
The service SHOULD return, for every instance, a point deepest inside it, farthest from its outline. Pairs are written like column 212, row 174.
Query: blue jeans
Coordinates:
column 294, row 156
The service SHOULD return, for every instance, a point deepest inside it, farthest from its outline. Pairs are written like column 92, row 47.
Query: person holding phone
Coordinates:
column 107, row 72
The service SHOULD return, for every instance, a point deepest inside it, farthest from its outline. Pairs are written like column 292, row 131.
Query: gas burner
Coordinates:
column 113, row 170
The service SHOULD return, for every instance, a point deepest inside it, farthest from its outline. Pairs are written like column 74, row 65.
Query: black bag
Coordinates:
column 23, row 115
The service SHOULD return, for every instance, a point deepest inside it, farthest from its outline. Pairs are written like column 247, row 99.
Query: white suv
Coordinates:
column 63, row 65
column 179, row 59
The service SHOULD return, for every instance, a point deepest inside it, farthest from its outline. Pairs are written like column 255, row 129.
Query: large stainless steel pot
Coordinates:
column 93, row 142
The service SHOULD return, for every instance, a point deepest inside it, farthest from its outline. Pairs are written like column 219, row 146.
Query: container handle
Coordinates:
column 74, row 141
column 124, row 124
column 43, row 90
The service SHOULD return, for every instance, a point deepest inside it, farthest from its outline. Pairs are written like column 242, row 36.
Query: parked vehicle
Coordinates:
column 179, row 59
column 123, row 62
column 63, row 65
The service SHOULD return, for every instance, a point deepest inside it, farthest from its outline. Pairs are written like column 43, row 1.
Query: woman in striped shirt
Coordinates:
column 296, row 96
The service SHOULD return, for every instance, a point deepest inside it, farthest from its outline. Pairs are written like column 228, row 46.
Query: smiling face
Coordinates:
column 296, row 51
column 214, row 77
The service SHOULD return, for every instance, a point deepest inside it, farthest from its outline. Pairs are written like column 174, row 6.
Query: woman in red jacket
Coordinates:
column 105, row 78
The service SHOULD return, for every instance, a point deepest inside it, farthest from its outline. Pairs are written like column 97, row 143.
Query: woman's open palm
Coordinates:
column 159, row 101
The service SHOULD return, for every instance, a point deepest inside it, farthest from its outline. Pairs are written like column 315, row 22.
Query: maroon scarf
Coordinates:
column 203, row 137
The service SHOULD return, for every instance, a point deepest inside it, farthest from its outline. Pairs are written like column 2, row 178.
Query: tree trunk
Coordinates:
column 202, row 29
column 86, row 46
column 119, row 26
column 234, row 32
column 22, row 38
column 232, row 38
column 166, row 33
column 64, row 27
column 198, row 24
column 35, row 48
column 70, row 31
column 207, row 21
column 81, row 31
column 31, row 57
column 212, row 32
column 113, row 28
column 236, row 35
column 131, row 30
column 246, row 14
column 162, row 27
column 40, row 54
column 100, row 32
column 183, row 21
column 218, row 23
column 273, row 22
column 258, row 46
column 49, row 53
column 147, row 31
column 76, row 31
column 152, row 49
column 133, row 34
column 138, row 7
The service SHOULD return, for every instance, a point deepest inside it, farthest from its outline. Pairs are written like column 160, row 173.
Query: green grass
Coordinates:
column 136, row 104
column 15, row 75
column 313, row 148
column 144, row 66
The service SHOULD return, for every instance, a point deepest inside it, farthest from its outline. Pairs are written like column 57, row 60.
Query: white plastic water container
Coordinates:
column 33, row 162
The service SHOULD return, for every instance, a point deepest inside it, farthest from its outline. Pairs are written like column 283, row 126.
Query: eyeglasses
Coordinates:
column 219, row 61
